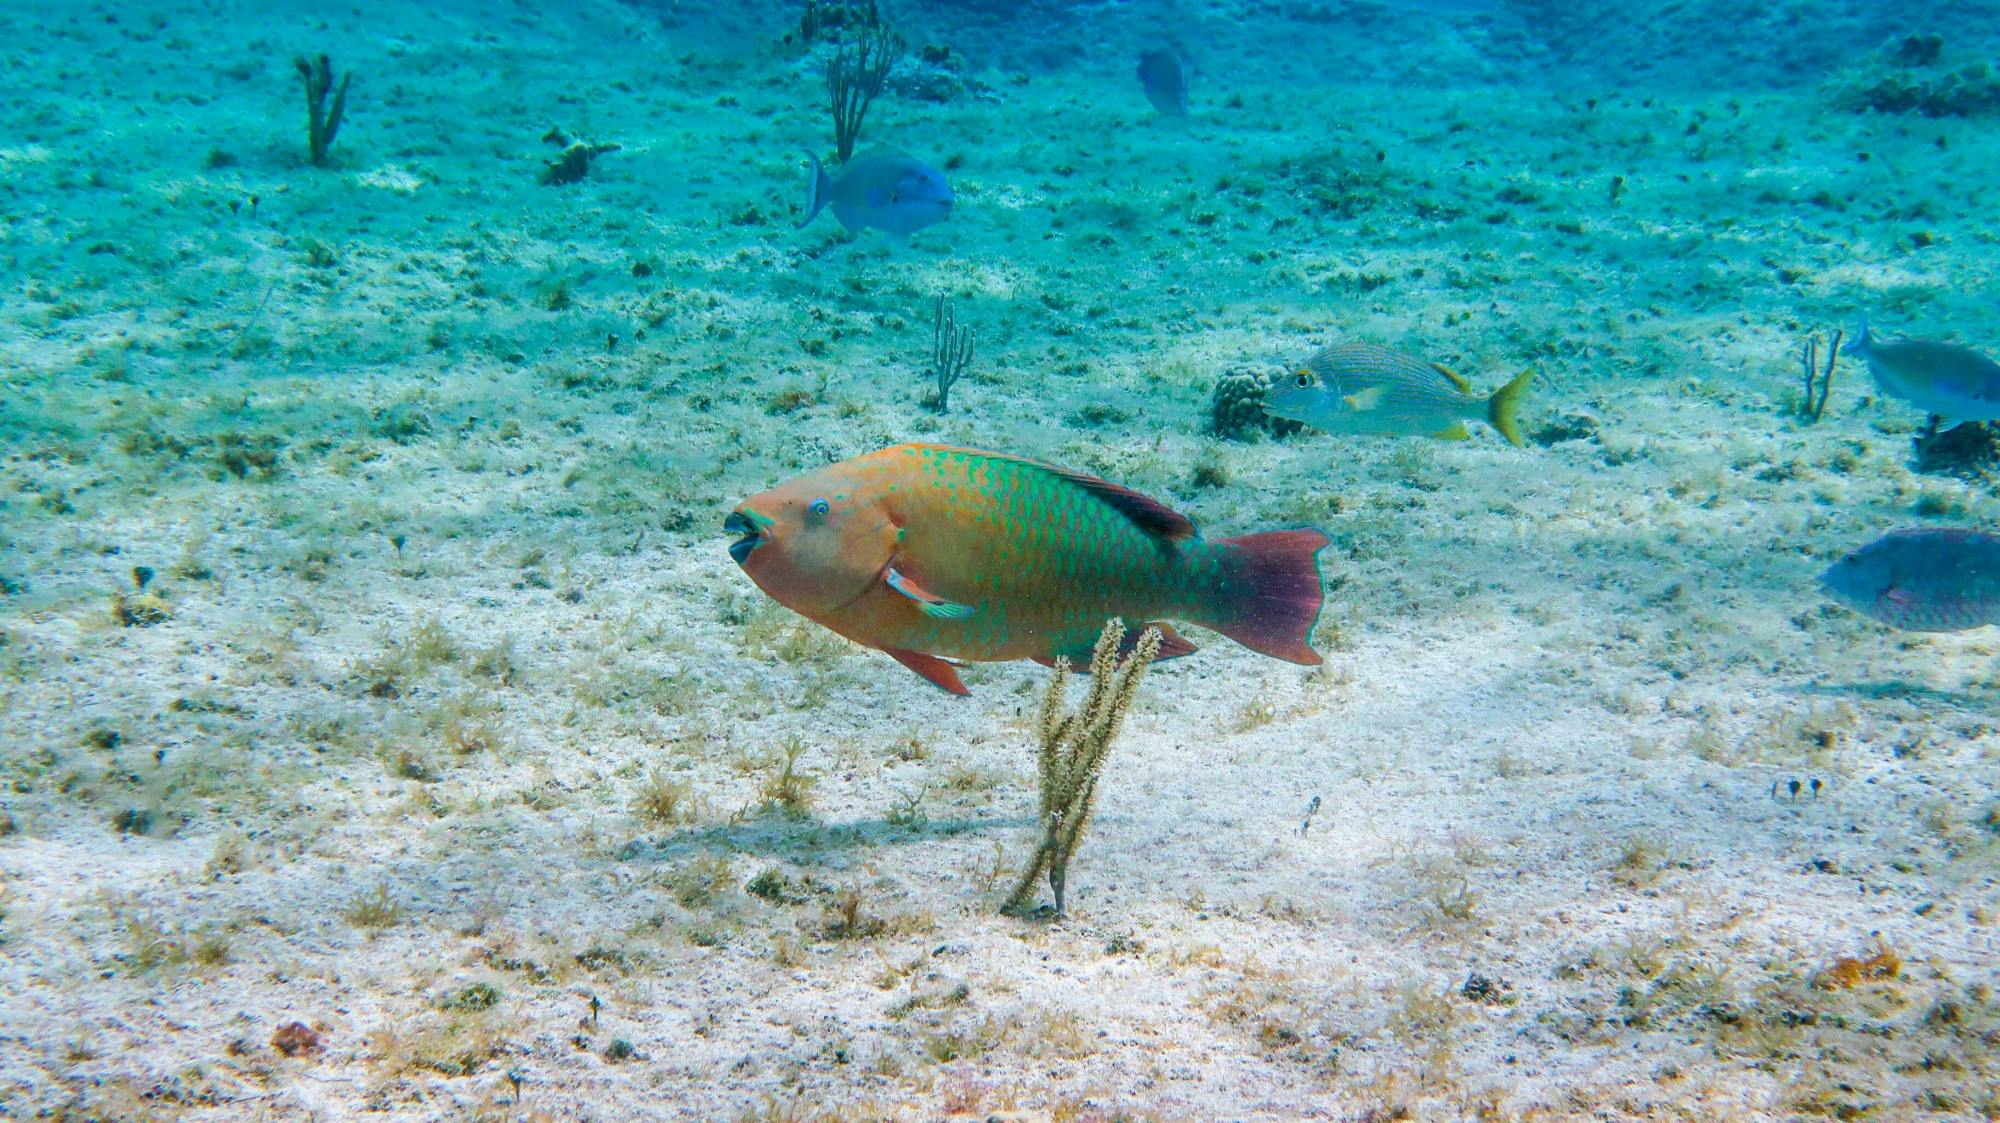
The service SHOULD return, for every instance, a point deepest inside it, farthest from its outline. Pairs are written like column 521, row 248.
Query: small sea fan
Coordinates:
column 1236, row 410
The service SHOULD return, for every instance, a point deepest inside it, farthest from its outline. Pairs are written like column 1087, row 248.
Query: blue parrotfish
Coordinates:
column 935, row 554
column 896, row 194
column 1930, row 579
column 1165, row 82
column 1954, row 382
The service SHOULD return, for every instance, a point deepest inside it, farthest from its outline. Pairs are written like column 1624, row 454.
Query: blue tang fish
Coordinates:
column 1165, row 81
column 1956, row 383
column 896, row 194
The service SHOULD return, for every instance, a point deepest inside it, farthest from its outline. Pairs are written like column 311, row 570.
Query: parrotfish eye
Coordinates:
column 1303, row 380
column 819, row 507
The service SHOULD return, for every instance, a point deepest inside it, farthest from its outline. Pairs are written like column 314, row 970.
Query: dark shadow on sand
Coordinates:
column 808, row 841
column 1894, row 688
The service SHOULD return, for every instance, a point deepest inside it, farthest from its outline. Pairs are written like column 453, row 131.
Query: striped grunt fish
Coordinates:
column 1360, row 389
column 934, row 554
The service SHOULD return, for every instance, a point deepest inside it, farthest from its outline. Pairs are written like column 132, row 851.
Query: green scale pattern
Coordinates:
column 1035, row 553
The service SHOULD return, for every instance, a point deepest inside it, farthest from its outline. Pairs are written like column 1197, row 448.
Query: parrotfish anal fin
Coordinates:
column 1456, row 431
column 1361, row 401
column 1146, row 513
column 1173, row 645
column 939, row 672
column 930, row 603
column 1457, row 379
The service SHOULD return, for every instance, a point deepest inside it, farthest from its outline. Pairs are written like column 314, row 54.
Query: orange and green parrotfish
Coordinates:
column 938, row 555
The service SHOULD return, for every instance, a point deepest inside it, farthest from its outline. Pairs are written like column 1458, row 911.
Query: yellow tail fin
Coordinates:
column 1501, row 406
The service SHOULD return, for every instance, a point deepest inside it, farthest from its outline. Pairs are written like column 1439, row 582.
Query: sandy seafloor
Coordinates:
column 457, row 745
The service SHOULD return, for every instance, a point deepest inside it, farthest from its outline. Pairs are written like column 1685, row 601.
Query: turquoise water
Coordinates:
column 389, row 731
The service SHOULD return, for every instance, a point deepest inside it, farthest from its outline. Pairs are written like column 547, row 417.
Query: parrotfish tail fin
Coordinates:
column 1500, row 408
column 1273, row 597
column 818, row 188
column 1859, row 344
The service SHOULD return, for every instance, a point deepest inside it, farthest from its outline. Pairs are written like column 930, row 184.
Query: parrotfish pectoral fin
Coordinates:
column 1456, row 431
column 1273, row 595
column 939, row 672
column 930, row 603
column 1501, row 407
column 1364, row 400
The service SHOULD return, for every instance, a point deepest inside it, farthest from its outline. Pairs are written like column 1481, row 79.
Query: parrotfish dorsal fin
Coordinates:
column 1145, row 512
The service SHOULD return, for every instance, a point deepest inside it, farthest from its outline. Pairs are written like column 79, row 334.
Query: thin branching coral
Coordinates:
column 1073, row 749
column 951, row 353
column 1819, row 383
column 322, row 120
column 853, row 80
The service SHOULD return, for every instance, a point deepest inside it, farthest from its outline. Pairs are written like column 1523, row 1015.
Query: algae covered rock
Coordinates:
column 1236, row 409
column 1915, row 80
column 1970, row 450
column 141, row 610
column 1971, row 91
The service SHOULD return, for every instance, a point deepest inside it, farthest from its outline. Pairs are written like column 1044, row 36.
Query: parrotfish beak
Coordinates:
column 743, row 523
